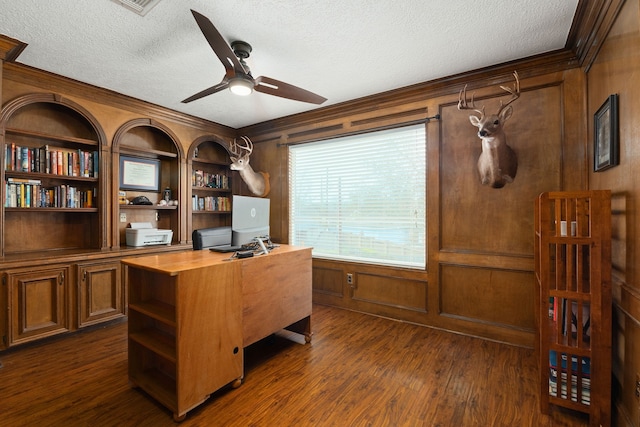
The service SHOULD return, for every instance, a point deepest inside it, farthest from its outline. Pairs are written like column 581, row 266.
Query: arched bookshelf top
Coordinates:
column 147, row 136
column 51, row 116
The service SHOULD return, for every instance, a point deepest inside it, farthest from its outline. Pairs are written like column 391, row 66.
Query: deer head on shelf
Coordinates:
column 258, row 182
column 497, row 163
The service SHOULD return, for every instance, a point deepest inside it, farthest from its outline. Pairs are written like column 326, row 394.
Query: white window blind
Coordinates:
column 361, row 198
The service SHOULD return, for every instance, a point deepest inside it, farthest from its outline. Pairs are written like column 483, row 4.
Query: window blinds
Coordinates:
column 361, row 198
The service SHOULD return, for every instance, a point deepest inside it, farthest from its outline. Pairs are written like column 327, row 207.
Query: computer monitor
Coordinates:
column 250, row 219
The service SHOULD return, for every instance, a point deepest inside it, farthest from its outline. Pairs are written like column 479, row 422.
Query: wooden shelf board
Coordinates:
column 212, row 212
column 154, row 207
column 212, row 189
column 159, row 385
column 158, row 342
column 149, row 153
column 48, row 176
column 51, row 137
column 208, row 162
column 73, row 210
column 163, row 312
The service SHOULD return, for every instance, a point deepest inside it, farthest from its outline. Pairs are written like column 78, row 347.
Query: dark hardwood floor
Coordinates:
column 359, row 370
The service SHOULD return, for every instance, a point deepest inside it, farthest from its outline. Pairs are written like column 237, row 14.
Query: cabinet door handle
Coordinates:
column 61, row 279
column 84, row 275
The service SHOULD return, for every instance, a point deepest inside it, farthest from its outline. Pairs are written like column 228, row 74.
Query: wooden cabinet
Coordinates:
column 100, row 294
column 573, row 274
column 211, row 186
column 51, row 152
column 185, row 333
column 37, row 302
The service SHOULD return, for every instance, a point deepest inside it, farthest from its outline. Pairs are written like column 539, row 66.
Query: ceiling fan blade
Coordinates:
column 213, row 89
column 219, row 45
column 286, row 90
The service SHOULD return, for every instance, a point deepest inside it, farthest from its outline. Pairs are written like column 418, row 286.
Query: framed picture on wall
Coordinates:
column 606, row 144
column 137, row 173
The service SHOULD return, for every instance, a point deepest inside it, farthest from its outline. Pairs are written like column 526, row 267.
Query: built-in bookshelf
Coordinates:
column 573, row 276
column 211, row 185
column 51, row 176
column 154, row 153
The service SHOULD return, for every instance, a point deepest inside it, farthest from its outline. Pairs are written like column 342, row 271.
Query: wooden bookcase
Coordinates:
column 211, row 185
column 573, row 308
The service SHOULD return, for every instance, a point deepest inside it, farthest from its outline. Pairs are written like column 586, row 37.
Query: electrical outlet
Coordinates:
column 350, row 278
column 123, row 217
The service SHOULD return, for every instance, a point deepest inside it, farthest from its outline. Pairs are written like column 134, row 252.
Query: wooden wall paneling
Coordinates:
column 613, row 68
column 328, row 282
column 282, row 222
column 266, row 157
column 383, row 291
column 502, row 298
column 487, row 233
column 575, row 163
column 630, row 371
column 389, row 292
column 481, row 219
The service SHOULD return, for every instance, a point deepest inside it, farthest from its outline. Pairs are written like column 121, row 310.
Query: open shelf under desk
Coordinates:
column 165, row 313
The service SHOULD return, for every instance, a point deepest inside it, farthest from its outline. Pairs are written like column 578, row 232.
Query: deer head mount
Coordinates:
column 497, row 163
column 258, row 182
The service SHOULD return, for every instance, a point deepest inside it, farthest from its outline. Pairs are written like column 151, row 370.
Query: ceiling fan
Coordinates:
column 238, row 77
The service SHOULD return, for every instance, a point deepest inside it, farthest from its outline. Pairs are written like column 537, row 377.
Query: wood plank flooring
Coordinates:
column 359, row 370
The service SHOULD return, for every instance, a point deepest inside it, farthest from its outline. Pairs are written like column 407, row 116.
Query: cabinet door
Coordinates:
column 4, row 306
column 37, row 303
column 100, row 295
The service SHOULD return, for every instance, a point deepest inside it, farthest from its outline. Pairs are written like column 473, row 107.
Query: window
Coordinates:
column 361, row 198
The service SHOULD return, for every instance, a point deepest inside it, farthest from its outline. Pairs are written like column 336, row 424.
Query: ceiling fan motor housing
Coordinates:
column 241, row 49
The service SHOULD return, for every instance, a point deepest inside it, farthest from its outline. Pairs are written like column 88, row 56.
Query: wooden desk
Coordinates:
column 191, row 313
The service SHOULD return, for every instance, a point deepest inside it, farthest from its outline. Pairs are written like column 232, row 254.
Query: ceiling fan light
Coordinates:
column 241, row 86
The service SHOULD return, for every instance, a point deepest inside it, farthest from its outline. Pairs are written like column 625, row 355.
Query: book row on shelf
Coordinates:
column 201, row 178
column 211, row 203
column 67, row 162
column 572, row 384
column 31, row 194
column 571, row 312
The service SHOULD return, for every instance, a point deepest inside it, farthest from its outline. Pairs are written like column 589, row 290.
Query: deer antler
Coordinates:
column 464, row 105
column 237, row 149
column 515, row 92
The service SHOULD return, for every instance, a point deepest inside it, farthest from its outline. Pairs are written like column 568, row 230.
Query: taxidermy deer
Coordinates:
column 497, row 163
column 258, row 182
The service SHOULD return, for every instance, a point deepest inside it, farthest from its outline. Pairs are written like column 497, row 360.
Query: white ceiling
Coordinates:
column 339, row 49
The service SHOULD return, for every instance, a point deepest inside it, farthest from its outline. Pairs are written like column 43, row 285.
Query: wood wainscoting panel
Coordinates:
column 328, row 281
column 398, row 292
column 486, row 295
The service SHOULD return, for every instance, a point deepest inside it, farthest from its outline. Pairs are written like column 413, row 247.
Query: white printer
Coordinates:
column 143, row 234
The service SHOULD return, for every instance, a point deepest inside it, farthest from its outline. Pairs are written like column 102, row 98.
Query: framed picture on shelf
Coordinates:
column 137, row 173
column 606, row 144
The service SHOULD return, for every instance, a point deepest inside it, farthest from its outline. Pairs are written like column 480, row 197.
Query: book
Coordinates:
column 25, row 161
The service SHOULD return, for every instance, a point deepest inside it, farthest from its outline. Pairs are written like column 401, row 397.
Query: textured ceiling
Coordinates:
column 339, row 49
